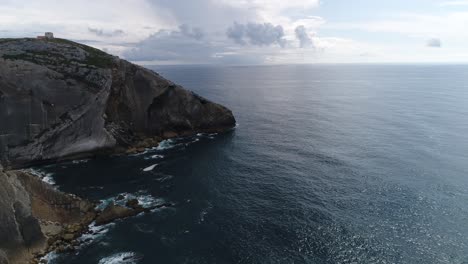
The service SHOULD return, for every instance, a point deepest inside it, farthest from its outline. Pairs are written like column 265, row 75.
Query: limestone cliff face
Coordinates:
column 61, row 99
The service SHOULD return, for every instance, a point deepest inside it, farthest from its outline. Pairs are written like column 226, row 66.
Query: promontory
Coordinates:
column 62, row 100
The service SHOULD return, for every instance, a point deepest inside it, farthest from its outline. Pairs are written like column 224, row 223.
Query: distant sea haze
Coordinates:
column 328, row 164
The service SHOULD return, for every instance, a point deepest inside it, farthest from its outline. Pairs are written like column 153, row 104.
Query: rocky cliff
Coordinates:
column 30, row 212
column 60, row 99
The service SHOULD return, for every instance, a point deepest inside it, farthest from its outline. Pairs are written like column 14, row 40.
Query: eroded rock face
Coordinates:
column 25, row 201
column 18, row 227
column 60, row 99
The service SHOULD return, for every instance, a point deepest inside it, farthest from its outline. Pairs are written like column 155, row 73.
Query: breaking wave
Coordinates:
column 150, row 168
column 123, row 257
column 45, row 177
column 144, row 199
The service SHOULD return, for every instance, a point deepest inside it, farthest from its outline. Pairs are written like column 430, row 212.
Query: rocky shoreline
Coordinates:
column 66, row 238
column 60, row 219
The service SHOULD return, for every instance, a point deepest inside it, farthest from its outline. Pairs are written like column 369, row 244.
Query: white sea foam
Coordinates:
column 95, row 233
column 166, row 144
column 144, row 199
column 48, row 179
column 147, row 200
column 45, row 177
column 154, row 157
column 50, row 257
column 123, row 257
column 80, row 161
column 150, row 168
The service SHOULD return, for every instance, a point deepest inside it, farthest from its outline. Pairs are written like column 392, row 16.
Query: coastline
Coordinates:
column 111, row 107
column 64, row 219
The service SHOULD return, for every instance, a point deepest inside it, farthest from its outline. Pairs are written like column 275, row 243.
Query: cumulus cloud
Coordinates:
column 237, row 33
column 103, row 33
column 166, row 30
column 259, row 34
column 303, row 37
column 434, row 43
column 195, row 32
column 184, row 45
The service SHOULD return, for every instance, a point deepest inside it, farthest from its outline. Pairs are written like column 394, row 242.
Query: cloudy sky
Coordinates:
column 252, row 31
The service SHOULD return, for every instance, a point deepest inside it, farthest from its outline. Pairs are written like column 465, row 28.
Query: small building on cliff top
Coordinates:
column 47, row 35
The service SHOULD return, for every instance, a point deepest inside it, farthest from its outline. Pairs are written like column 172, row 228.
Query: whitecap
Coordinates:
column 123, row 257
column 147, row 200
column 154, row 157
column 150, row 168
column 95, row 232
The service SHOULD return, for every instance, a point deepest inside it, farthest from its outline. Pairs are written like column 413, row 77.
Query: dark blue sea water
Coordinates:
column 329, row 164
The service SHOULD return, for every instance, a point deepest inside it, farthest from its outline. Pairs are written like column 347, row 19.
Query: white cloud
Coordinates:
column 260, row 34
column 304, row 39
column 71, row 19
column 272, row 31
column 103, row 33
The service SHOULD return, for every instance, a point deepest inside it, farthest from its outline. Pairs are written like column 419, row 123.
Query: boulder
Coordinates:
column 113, row 212
column 134, row 204
column 68, row 237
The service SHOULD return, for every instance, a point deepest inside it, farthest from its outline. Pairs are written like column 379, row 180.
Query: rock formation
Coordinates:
column 60, row 99
column 27, row 205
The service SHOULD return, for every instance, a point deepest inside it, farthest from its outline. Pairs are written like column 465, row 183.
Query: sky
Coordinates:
column 245, row 32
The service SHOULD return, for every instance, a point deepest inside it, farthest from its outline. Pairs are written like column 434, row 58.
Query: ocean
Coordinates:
column 328, row 164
